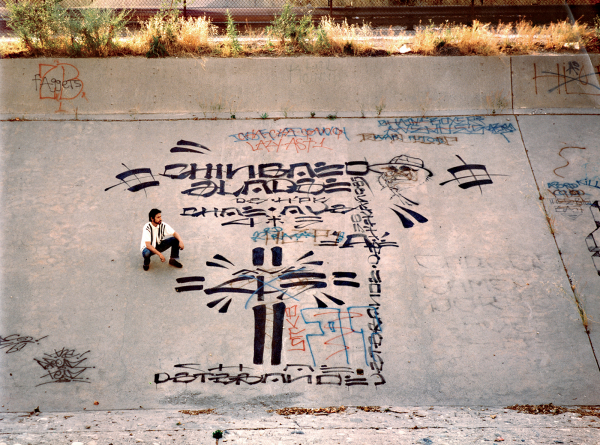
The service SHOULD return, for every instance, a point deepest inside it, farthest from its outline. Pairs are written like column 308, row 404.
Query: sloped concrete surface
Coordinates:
column 429, row 261
column 566, row 163
column 442, row 286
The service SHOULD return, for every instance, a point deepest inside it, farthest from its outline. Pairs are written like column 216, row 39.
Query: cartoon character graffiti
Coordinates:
column 400, row 175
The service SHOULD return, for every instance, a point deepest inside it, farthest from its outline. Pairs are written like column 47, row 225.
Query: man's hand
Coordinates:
column 181, row 245
column 162, row 257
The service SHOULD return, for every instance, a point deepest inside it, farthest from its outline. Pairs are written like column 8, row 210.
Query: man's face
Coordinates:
column 157, row 219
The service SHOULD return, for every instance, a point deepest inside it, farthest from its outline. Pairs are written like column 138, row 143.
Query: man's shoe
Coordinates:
column 146, row 266
column 173, row 262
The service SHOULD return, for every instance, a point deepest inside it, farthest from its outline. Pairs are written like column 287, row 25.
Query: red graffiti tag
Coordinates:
column 58, row 82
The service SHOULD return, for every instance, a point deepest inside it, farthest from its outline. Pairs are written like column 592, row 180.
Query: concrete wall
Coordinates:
column 354, row 261
column 297, row 86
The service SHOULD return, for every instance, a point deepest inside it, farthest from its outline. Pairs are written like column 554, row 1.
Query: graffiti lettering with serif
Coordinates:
column 291, row 373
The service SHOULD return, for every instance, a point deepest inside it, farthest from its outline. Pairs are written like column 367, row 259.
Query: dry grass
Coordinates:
column 476, row 39
column 311, row 411
column 196, row 36
column 8, row 48
column 342, row 38
column 178, row 35
column 483, row 39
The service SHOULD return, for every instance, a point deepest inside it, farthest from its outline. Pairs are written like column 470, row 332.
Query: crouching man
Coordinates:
column 157, row 237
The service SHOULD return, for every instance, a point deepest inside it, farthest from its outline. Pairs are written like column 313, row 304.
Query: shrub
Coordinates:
column 94, row 30
column 39, row 25
column 288, row 28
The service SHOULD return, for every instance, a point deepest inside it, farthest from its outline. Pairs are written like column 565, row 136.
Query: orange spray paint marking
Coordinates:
column 58, row 82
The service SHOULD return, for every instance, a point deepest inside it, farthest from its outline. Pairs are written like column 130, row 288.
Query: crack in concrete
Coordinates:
column 580, row 308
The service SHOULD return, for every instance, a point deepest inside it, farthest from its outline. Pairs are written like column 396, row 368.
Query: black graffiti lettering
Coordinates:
column 323, row 170
column 231, row 172
column 292, row 171
column 204, row 189
column 263, row 170
column 358, row 171
column 329, row 379
column 275, row 377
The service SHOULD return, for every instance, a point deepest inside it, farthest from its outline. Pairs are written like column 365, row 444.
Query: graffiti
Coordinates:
column 64, row 366
column 184, row 147
column 400, row 174
column 571, row 78
column 590, row 182
column 278, row 235
column 466, row 177
column 309, row 186
column 137, row 174
column 301, row 216
column 16, row 342
column 570, row 202
column 524, row 263
column 294, row 304
column 227, row 375
column 295, row 338
column 563, row 185
column 593, row 239
column 364, row 228
column 398, row 137
column 479, row 287
column 296, row 145
column 560, row 154
column 336, row 332
column 289, row 132
column 271, row 178
column 58, row 82
column 290, row 139
column 443, row 126
column 268, row 289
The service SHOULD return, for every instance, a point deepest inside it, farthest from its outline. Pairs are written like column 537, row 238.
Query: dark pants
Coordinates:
column 164, row 245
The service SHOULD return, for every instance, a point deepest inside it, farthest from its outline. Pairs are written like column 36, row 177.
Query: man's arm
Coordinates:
column 178, row 238
column 154, row 251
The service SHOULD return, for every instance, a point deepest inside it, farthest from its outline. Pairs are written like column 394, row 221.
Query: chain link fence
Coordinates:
column 378, row 13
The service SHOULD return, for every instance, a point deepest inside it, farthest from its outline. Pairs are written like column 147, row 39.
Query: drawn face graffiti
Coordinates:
column 398, row 177
column 400, row 173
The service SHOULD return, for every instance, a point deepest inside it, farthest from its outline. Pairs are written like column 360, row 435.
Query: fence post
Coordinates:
column 184, row 9
column 331, row 8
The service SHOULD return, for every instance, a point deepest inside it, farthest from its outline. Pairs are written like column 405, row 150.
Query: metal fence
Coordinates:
column 378, row 13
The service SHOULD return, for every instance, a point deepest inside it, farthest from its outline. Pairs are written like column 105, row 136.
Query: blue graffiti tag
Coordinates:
column 443, row 125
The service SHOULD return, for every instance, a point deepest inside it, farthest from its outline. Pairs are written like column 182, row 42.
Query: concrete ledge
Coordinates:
column 556, row 83
column 134, row 88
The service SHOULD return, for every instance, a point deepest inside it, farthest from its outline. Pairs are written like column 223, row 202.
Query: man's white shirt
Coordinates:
column 155, row 235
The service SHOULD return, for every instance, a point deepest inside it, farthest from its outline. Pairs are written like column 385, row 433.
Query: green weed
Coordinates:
column 157, row 48
column 287, row 29
column 232, row 36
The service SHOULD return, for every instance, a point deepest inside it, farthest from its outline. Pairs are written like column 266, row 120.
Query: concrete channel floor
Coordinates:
column 486, row 309
column 255, row 425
